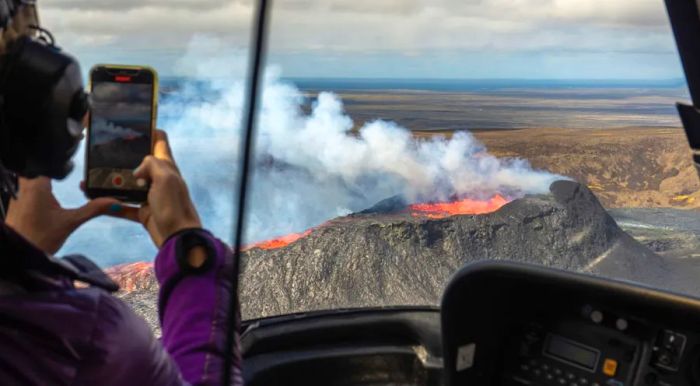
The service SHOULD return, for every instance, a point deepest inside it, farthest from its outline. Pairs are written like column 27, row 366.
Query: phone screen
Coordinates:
column 120, row 134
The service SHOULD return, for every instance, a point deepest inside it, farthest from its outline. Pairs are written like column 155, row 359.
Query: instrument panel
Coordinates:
column 510, row 324
column 597, row 347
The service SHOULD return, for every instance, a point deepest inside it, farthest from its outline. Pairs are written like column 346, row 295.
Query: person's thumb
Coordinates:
column 92, row 209
column 147, row 168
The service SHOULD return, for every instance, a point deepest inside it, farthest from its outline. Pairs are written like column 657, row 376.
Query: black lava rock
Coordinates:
column 375, row 259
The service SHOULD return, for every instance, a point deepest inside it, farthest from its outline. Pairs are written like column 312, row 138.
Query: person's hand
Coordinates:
column 169, row 208
column 39, row 218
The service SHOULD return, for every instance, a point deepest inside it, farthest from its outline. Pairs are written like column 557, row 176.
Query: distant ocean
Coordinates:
column 347, row 84
column 429, row 104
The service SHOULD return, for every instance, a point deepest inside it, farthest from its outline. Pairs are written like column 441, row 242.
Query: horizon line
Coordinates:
column 322, row 78
column 509, row 79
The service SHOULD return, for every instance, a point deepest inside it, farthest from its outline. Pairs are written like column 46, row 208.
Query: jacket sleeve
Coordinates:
column 193, row 310
column 121, row 348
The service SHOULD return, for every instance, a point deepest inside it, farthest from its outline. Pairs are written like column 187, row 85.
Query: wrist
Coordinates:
column 167, row 231
column 183, row 230
column 194, row 249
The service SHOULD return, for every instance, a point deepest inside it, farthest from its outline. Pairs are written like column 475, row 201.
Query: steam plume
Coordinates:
column 309, row 167
column 312, row 167
column 104, row 131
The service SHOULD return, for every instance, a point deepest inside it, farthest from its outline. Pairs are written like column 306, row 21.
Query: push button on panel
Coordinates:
column 610, row 367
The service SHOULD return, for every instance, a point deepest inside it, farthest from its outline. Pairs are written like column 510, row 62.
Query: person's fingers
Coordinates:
column 92, row 209
column 86, row 119
column 161, row 147
column 117, row 209
column 123, row 211
column 147, row 169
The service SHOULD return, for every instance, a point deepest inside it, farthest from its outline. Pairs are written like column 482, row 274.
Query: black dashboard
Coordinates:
column 500, row 324
column 513, row 324
column 398, row 346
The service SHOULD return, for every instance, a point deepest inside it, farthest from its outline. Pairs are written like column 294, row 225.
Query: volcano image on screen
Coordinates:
column 120, row 134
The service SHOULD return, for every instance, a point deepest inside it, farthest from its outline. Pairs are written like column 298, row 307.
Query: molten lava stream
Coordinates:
column 434, row 210
column 278, row 242
column 465, row 206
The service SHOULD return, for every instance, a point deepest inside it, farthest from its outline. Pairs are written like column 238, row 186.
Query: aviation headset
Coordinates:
column 42, row 100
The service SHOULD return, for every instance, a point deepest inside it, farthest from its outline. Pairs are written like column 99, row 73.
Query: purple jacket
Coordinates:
column 52, row 333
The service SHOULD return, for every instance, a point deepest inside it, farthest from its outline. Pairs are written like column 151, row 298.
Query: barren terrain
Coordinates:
column 644, row 176
column 625, row 167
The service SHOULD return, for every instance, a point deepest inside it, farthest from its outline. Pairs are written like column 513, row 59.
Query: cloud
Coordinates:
column 150, row 24
column 123, row 5
column 159, row 29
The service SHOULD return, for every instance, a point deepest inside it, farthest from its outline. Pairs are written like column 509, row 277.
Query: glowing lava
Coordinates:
column 279, row 242
column 465, row 206
column 433, row 210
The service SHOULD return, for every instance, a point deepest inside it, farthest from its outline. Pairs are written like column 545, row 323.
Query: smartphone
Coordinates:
column 123, row 103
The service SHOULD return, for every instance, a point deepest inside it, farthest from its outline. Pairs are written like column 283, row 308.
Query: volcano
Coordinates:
column 397, row 205
column 396, row 254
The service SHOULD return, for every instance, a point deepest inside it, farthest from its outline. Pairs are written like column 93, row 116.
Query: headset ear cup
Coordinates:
column 42, row 89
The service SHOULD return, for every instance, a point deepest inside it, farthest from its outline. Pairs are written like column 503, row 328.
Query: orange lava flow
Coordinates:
column 435, row 210
column 279, row 242
column 465, row 206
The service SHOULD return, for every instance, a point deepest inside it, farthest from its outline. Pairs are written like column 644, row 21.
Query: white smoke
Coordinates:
column 313, row 166
column 309, row 166
column 104, row 131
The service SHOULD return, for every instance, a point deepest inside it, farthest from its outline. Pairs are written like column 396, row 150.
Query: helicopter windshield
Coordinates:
column 399, row 140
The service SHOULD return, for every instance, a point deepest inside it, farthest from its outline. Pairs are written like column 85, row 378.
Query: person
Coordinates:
column 57, row 332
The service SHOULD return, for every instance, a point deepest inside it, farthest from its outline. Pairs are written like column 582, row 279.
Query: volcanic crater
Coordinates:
column 397, row 254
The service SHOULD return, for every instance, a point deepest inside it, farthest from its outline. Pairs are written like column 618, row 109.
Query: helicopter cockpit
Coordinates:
column 503, row 323
column 448, row 216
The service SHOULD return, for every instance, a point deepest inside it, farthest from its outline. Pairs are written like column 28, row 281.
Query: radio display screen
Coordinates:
column 572, row 352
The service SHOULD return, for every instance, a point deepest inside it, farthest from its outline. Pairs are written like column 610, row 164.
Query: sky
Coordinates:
column 471, row 39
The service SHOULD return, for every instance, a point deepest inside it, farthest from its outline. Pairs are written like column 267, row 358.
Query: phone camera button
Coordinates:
column 118, row 181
